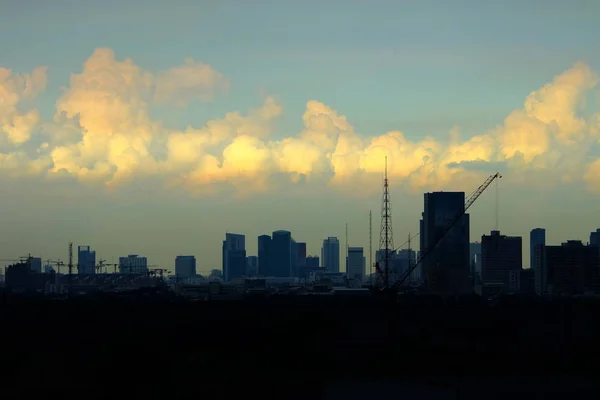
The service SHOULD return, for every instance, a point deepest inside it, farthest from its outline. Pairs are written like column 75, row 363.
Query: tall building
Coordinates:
column 264, row 256
column 86, row 260
column 133, row 264
column 36, row 264
column 402, row 261
column 537, row 237
column 251, row 266
column 330, row 254
column 502, row 260
column 185, row 266
column 446, row 267
column 571, row 268
column 234, row 256
column 281, row 254
column 355, row 263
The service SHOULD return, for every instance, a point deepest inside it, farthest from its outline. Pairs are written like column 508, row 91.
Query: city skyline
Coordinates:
column 298, row 120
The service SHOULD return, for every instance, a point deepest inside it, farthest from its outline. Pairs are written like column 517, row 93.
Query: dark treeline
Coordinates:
column 305, row 343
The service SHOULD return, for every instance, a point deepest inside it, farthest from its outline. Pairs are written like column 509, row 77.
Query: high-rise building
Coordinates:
column 537, row 237
column 36, row 264
column 185, row 266
column 571, row 268
column 355, row 264
column 251, row 266
column 330, row 254
column 234, row 256
column 446, row 267
column 264, row 256
column 501, row 260
column 133, row 264
column 281, row 253
column 86, row 260
column 402, row 261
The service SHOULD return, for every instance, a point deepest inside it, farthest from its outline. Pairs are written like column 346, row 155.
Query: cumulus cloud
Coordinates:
column 17, row 124
column 103, row 133
column 192, row 81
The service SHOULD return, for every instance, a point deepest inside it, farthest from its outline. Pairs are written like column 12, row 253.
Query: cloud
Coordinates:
column 192, row 81
column 15, row 123
column 103, row 134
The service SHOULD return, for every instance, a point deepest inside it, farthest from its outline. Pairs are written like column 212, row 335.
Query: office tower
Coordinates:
column 537, row 237
column 234, row 256
column 251, row 266
column 36, row 264
column 595, row 238
column 281, row 253
column 502, row 260
column 355, row 263
column 402, row 261
column 330, row 254
column 86, row 260
column 185, row 266
column 568, row 269
column 446, row 266
column 264, row 256
column 133, row 264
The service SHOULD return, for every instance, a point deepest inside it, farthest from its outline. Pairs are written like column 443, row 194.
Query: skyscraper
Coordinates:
column 446, row 267
column 264, row 256
column 355, row 264
column 330, row 254
column 234, row 256
column 281, row 252
column 537, row 236
column 185, row 266
column 86, row 260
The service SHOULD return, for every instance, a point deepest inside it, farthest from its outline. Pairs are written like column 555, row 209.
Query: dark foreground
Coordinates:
column 301, row 348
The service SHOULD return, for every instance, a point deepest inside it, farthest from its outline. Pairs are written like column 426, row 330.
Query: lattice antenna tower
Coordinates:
column 386, row 237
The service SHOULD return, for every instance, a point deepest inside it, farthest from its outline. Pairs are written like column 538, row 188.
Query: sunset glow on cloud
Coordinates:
column 102, row 134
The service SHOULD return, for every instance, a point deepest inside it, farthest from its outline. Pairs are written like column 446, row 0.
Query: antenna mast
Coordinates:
column 386, row 239
column 370, row 247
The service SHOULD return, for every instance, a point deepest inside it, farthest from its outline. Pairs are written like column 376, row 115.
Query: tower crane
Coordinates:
column 468, row 203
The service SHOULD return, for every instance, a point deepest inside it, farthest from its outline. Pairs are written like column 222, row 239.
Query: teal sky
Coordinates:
column 420, row 67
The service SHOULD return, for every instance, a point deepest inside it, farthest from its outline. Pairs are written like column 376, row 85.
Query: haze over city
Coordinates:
column 144, row 133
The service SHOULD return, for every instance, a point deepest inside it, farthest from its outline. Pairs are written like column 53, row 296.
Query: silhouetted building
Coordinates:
column 312, row 262
column 300, row 256
column 402, row 261
column 251, row 266
column 537, row 237
column 86, row 260
column 330, row 254
column 355, row 264
column 281, row 256
column 133, row 264
column 21, row 277
column 446, row 266
column 265, row 264
column 502, row 260
column 185, row 266
column 528, row 281
column 568, row 269
column 36, row 264
column 595, row 240
column 234, row 256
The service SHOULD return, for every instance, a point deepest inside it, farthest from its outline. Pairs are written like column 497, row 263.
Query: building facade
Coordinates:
column 501, row 260
column 86, row 260
column 185, row 266
column 330, row 254
column 234, row 256
column 133, row 264
column 537, row 237
column 445, row 238
column 355, row 264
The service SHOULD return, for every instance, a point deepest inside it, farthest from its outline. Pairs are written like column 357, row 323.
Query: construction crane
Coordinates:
column 468, row 203
column 56, row 263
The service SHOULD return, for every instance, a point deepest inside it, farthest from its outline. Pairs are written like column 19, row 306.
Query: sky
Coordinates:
column 153, row 128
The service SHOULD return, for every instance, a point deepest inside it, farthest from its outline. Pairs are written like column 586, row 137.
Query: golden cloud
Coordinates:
column 103, row 133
